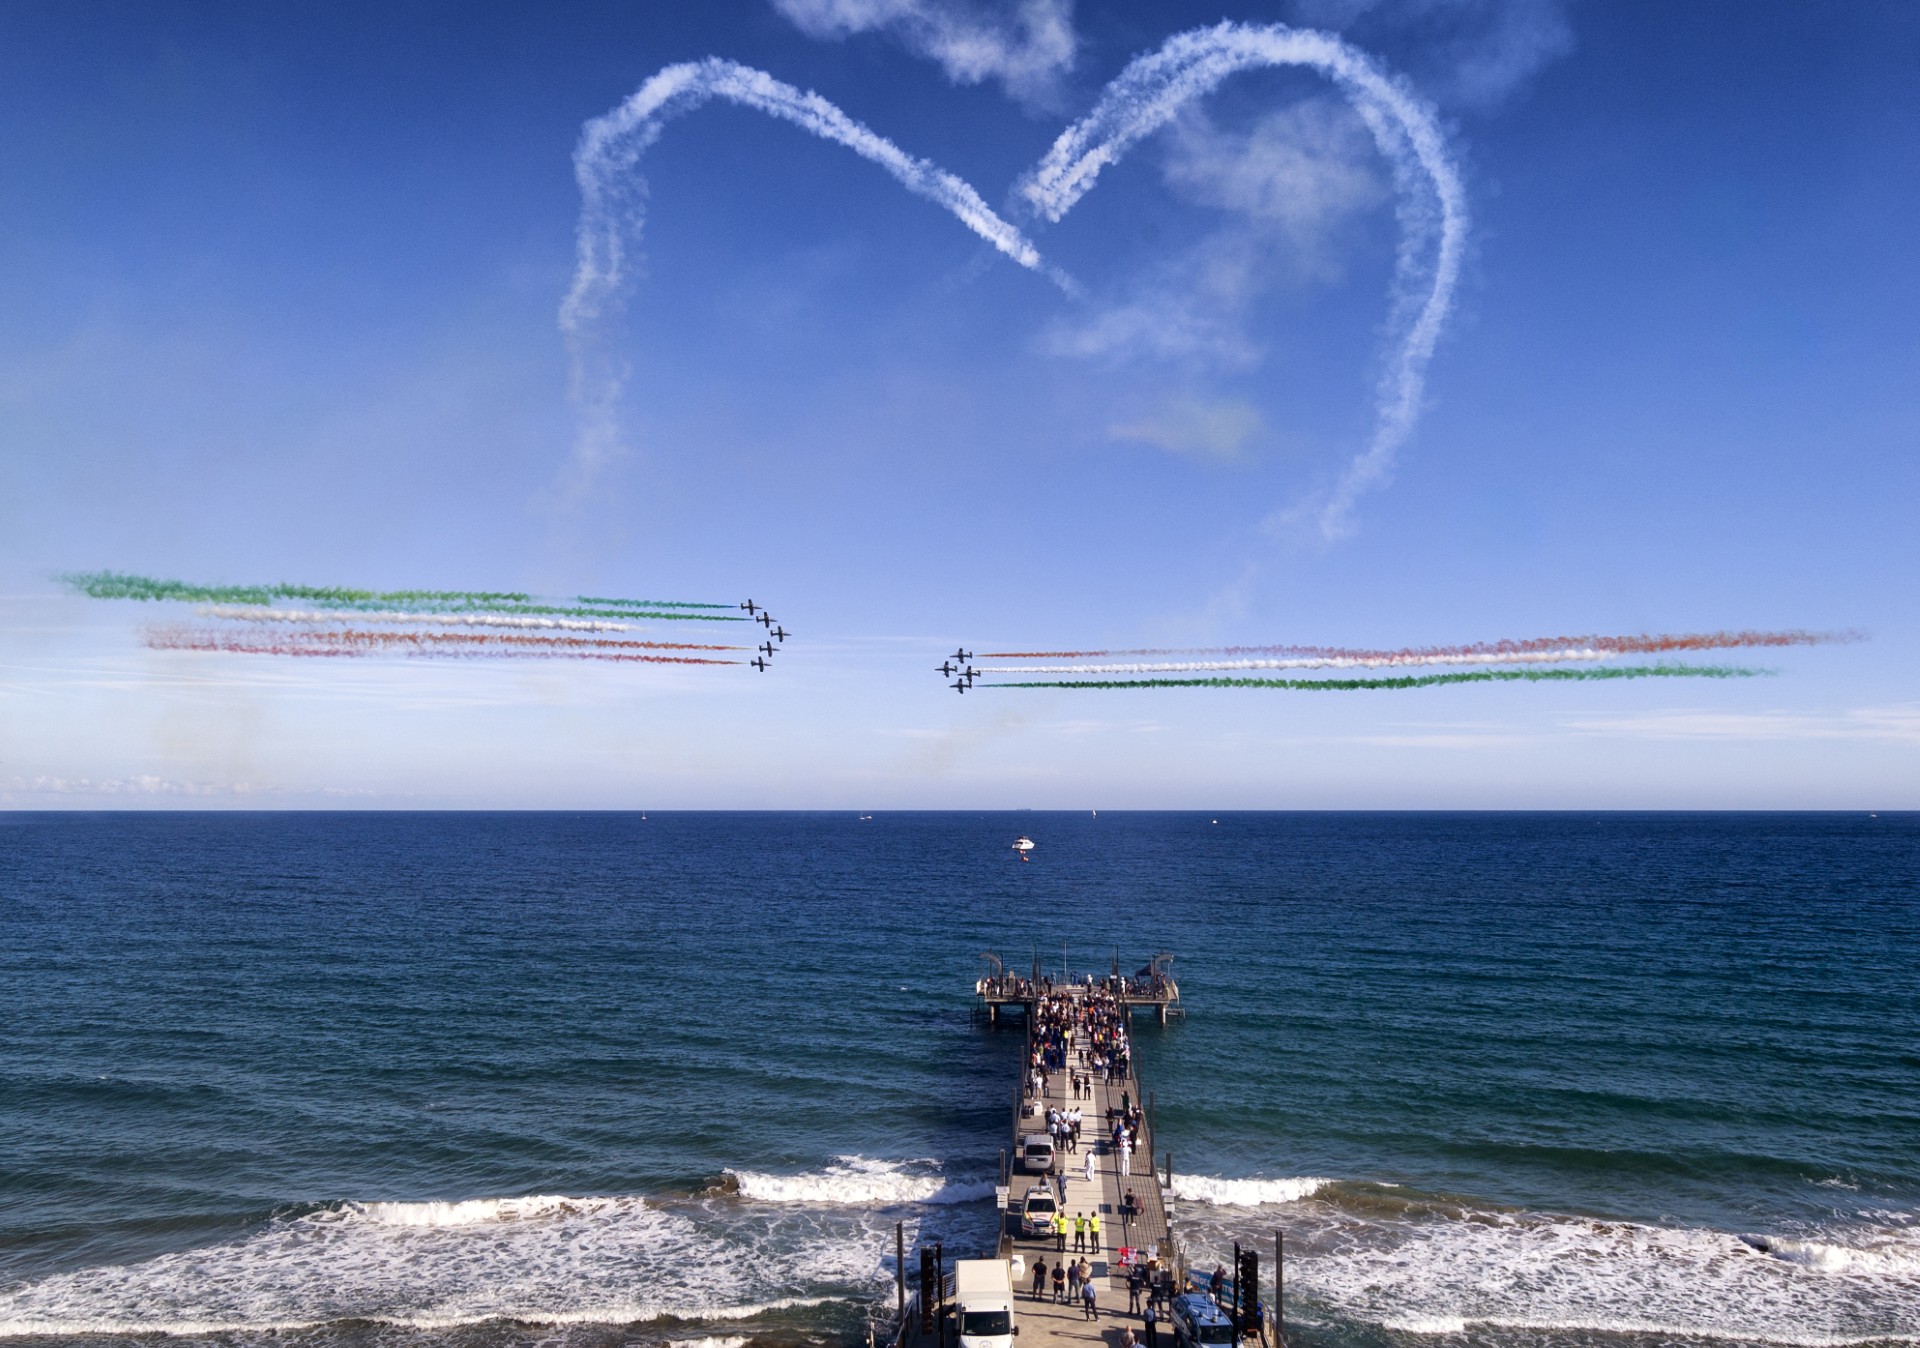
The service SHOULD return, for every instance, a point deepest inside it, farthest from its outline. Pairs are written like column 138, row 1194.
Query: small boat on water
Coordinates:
column 1023, row 844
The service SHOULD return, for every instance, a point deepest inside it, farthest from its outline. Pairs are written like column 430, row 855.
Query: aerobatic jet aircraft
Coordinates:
column 750, row 607
column 780, row 634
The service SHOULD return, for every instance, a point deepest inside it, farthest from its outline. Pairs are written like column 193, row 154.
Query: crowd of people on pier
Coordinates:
column 1063, row 1126
column 1082, row 1031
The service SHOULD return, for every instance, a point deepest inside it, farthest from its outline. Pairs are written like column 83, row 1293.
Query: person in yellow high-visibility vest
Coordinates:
column 1093, row 1233
column 1079, row 1230
column 1059, row 1230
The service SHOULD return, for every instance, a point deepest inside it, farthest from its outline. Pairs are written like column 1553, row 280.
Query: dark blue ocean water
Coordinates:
column 1503, row 1079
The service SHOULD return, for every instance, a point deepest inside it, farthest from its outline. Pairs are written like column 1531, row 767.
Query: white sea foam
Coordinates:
column 472, row 1211
column 860, row 1181
column 1245, row 1193
column 1446, row 1272
column 1891, row 1256
column 540, row 1259
column 710, row 1341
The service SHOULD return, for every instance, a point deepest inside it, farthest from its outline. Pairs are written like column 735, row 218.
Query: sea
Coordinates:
column 466, row 1080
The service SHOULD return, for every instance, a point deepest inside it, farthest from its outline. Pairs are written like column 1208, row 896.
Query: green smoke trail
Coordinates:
column 649, row 603
column 1661, row 671
column 118, row 585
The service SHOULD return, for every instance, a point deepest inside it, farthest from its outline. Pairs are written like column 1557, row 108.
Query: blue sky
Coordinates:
column 278, row 297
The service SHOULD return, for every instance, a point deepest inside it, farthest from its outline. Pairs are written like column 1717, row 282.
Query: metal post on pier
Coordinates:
column 1239, row 1295
column 1279, row 1290
column 900, row 1273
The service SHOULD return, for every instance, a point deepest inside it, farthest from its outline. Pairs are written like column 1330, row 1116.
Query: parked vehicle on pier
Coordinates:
column 983, row 1301
column 1036, row 1154
column 1197, row 1321
column 1036, row 1213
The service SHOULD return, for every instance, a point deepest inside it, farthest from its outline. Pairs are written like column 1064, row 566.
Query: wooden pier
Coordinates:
column 1150, row 988
column 1045, row 1323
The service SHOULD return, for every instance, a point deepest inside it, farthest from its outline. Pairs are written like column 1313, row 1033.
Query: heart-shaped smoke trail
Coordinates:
column 1144, row 97
column 1154, row 88
column 611, row 196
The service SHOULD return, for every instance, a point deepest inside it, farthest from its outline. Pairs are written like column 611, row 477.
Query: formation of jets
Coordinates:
column 775, row 632
column 967, row 673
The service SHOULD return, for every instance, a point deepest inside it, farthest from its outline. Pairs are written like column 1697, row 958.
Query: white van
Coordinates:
column 983, row 1303
column 1036, row 1154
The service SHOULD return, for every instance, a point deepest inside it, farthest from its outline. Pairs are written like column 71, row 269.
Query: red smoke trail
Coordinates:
column 170, row 638
column 1627, row 645
column 427, row 644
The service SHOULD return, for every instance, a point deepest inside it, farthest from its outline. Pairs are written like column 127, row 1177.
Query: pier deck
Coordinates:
column 1147, row 1232
column 1043, row 1322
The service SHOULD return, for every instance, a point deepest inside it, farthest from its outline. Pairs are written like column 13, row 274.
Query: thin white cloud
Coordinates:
column 1025, row 44
column 1895, row 724
column 1292, row 186
column 1218, row 429
column 1303, row 171
column 143, row 784
column 1469, row 52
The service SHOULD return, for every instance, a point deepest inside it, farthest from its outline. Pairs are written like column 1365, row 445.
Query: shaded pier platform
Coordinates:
column 1151, row 988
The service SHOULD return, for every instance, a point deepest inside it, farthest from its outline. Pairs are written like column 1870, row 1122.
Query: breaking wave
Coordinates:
column 474, row 1211
column 540, row 1259
column 859, row 1181
column 1245, row 1193
column 1440, row 1269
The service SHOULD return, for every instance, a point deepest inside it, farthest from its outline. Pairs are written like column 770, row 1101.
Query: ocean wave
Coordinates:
column 1652, row 1329
column 541, row 1259
column 611, row 1314
column 859, row 1181
column 1245, row 1193
column 1443, row 1271
column 1891, row 1256
column 475, row 1211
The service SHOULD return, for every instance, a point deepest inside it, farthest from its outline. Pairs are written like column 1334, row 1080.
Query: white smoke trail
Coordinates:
column 284, row 615
column 1315, row 662
column 1150, row 91
column 611, row 197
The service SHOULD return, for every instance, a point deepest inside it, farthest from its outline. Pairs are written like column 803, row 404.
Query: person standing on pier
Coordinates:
column 1151, row 1319
column 1059, row 1281
column 1039, row 1277
column 1093, row 1231
column 1089, row 1301
column 1073, row 1282
column 1079, row 1230
column 1126, row 1155
column 1060, row 1231
column 1089, row 1165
